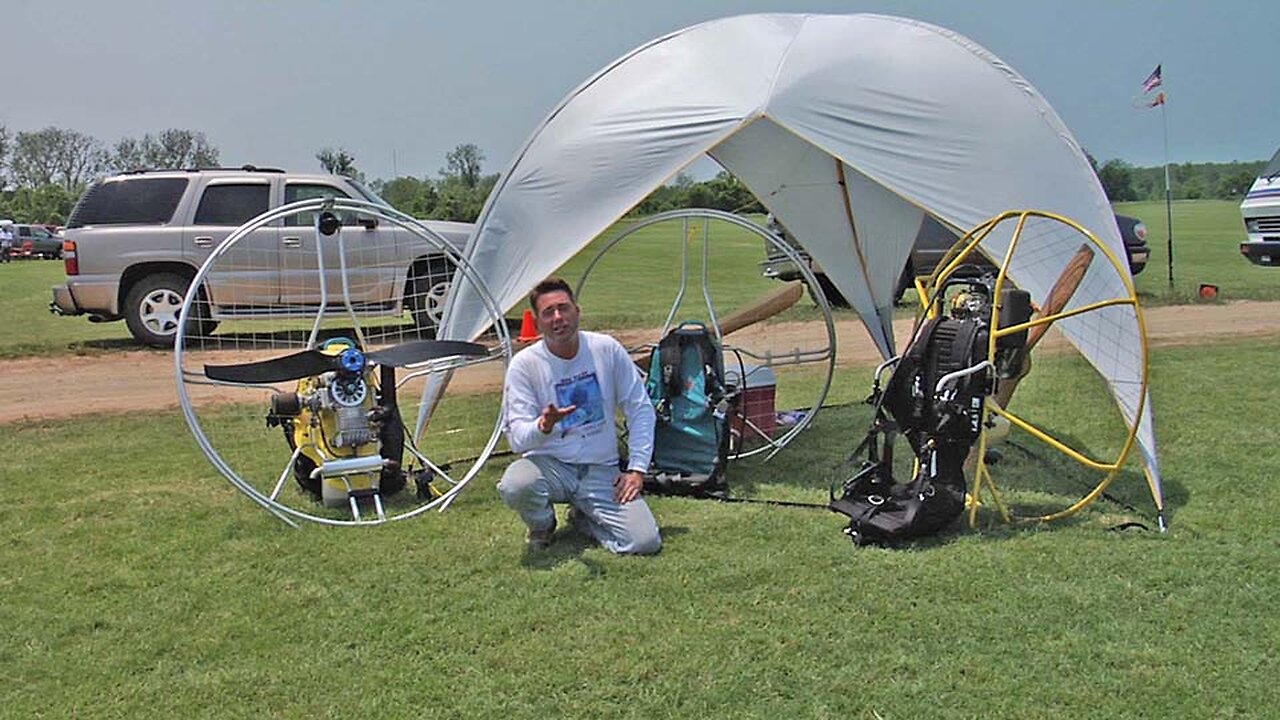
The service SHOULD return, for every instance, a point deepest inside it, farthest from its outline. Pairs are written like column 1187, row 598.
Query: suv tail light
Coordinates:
column 69, row 261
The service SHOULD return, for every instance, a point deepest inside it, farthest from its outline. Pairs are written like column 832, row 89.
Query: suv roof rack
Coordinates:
column 242, row 168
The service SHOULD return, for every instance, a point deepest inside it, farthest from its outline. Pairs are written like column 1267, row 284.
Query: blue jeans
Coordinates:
column 530, row 485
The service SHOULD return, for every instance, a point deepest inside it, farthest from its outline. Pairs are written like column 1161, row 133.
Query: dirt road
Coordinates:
column 68, row 386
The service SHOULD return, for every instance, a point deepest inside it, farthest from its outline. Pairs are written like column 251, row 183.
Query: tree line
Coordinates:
column 461, row 188
column 43, row 173
column 1187, row 181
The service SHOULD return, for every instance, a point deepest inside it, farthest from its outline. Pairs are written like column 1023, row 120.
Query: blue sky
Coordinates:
column 398, row 84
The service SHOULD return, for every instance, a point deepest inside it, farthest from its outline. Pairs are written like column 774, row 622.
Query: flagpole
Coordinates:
column 1168, row 194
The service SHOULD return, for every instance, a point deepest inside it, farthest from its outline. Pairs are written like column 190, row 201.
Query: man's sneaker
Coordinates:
column 541, row 539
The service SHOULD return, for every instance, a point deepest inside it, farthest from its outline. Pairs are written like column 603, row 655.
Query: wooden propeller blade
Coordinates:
column 763, row 308
column 1062, row 290
column 1059, row 295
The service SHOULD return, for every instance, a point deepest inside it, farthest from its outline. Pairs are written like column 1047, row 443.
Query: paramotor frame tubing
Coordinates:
column 440, row 365
column 997, row 332
column 706, row 280
column 1131, row 438
column 1049, row 319
column 795, row 357
column 280, row 510
column 707, row 214
column 922, row 291
column 324, row 283
column 685, row 232
column 982, row 474
column 346, row 284
column 288, row 469
column 971, row 240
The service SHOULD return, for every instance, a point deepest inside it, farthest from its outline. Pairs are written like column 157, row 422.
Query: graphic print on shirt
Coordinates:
column 582, row 390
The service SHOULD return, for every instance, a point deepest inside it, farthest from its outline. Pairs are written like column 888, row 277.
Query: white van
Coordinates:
column 1261, row 211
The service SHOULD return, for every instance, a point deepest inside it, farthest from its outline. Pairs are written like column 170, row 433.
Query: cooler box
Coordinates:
column 756, row 404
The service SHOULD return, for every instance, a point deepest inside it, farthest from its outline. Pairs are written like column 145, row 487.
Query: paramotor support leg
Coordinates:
column 982, row 477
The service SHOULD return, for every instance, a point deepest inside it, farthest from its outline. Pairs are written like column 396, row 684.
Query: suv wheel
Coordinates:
column 152, row 308
column 427, row 290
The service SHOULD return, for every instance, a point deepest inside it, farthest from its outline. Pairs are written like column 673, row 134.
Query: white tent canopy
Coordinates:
column 848, row 128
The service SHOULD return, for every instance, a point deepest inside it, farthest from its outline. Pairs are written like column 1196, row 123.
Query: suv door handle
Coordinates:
column 292, row 241
column 203, row 241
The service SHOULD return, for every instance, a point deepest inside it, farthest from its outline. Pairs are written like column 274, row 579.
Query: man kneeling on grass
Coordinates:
column 561, row 397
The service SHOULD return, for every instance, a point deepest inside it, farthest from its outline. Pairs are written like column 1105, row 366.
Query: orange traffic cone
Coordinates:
column 528, row 328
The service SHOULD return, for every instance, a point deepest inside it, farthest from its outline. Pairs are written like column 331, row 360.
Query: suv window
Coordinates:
column 132, row 201
column 232, row 204
column 293, row 192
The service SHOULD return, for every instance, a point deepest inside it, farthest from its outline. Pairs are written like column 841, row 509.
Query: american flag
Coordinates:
column 1153, row 80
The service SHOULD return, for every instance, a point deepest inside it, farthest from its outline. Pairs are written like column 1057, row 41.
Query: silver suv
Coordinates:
column 134, row 242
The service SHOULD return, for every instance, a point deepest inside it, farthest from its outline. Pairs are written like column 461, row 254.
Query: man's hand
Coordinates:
column 552, row 415
column 627, row 486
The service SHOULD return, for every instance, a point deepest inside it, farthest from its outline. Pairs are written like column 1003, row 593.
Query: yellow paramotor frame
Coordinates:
column 928, row 287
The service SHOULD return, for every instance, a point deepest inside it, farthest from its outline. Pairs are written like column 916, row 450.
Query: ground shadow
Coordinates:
column 1036, row 479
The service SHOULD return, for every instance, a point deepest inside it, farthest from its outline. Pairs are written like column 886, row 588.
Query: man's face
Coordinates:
column 557, row 316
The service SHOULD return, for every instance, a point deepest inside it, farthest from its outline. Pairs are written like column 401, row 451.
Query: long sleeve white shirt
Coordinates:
column 599, row 380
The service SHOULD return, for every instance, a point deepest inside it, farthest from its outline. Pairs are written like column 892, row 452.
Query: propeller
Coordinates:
column 314, row 362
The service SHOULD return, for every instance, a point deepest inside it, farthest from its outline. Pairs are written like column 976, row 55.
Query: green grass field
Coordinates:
column 1206, row 249
column 138, row 583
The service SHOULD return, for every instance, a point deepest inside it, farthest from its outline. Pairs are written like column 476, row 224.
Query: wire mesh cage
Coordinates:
column 310, row 372
column 685, row 266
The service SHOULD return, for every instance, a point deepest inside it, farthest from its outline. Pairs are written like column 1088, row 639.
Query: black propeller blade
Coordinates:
column 286, row 367
column 424, row 350
column 314, row 362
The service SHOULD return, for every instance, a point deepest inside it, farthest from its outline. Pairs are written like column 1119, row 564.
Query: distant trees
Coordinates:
column 172, row 148
column 339, row 162
column 45, row 204
column 1188, row 181
column 43, row 172
column 4, row 153
column 463, row 165
column 1235, row 184
column 411, row 195
column 1117, row 180
column 55, row 156
column 461, row 188
column 458, row 193
column 1191, row 181
column 722, row 192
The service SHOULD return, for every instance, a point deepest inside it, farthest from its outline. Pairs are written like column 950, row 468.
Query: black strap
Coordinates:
column 671, row 351
column 762, row 501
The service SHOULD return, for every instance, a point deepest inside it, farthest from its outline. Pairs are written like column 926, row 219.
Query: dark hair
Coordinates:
column 549, row 285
